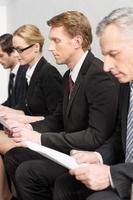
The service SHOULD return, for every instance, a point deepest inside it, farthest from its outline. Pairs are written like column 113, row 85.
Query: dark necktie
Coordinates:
column 70, row 85
column 129, row 138
column 11, row 89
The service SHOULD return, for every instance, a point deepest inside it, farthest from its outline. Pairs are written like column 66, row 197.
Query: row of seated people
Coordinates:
column 84, row 119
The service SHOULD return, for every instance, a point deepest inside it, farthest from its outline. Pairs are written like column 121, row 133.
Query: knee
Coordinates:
column 22, row 172
column 8, row 158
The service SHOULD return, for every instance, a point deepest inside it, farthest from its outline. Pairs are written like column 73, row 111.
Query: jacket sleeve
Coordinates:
column 122, row 177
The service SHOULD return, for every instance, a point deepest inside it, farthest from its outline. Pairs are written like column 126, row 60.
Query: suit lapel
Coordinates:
column 66, row 95
column 34, row 77
column 84, row 68
column 20, row 78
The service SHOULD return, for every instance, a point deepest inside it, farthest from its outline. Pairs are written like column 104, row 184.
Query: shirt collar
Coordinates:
column 30, row 72
column 15, row 69
column 76, row 69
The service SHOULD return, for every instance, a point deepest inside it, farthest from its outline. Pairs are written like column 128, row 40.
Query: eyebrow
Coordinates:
column 109, row 52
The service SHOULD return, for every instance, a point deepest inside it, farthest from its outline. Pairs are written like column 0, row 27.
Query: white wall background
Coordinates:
column 37, row 12
column 3, row 72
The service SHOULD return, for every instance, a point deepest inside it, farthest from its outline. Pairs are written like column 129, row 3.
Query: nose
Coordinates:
column 16, row 54
column 108, row 64
column 51, row 46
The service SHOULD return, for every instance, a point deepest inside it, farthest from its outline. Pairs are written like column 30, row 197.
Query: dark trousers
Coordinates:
column 36, row 177
column 108, row 194
column 14, row 157
column 68, row 188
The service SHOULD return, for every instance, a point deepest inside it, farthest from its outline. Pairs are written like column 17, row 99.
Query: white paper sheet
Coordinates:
column 59, row 157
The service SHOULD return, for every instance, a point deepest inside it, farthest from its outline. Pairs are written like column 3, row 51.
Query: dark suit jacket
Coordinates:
column 89, row 115
column 44, row 90
column 121, row 172
column 18, row 88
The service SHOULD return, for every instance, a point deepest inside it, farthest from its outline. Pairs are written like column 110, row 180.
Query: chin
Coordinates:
column 22, row 63
column 123, row 80
column 5, row 67
column 59, row 62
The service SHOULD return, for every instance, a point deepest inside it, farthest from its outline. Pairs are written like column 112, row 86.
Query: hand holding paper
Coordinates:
column 89, row 157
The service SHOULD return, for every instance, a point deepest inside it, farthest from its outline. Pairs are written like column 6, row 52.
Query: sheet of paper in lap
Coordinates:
column 58, row 157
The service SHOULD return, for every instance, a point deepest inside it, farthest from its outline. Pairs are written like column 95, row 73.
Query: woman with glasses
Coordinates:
column 43, row 83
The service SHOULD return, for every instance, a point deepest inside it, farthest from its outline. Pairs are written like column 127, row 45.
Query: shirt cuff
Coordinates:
column 111, row 181
column 29, row 127
column 100, row 157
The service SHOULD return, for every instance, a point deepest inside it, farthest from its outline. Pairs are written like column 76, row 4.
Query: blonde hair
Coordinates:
column 31, row 34
column 75, row 23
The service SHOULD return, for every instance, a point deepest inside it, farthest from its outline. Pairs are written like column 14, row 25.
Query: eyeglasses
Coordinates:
column 22, row 50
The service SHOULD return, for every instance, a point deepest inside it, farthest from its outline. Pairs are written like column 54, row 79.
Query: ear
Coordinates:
column 37, row 47
column 78, row 40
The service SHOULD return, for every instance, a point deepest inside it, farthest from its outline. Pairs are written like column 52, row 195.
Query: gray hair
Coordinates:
column 121, row 17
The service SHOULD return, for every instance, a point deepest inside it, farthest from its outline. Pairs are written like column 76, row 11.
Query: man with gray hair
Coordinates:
column 113, row 182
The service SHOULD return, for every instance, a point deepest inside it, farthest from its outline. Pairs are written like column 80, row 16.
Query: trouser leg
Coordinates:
column 35, row 179
column 68, row 188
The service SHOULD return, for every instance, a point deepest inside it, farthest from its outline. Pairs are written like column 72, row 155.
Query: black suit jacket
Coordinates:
column 18, row 88
column 44, row 90
column 115, row 149
column 89, row 115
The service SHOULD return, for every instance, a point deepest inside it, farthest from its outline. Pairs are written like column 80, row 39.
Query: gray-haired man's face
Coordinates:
column 117, row 48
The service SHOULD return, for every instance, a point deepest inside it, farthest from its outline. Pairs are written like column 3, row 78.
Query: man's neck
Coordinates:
column 75, row 59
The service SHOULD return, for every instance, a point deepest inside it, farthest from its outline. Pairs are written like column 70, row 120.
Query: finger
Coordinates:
column 82, row 158
column 2, row 114
column 16, row 134
column 73, row 152
column 17, row 139
column 81, row 177
column 77, row 171
column 16, row 130
column 21, row 144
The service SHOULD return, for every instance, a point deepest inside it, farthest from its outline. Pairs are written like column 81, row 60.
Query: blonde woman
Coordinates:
column 43, row 81
column 42, row 87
